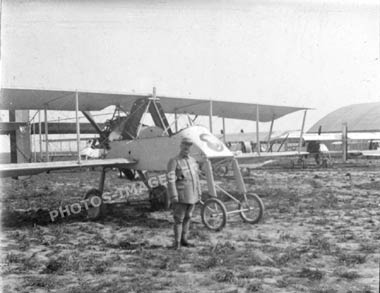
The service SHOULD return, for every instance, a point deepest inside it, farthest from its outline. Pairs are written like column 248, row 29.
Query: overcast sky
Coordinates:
column 317, row 54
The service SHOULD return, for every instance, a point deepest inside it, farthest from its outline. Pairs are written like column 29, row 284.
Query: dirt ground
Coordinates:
column 320, row 233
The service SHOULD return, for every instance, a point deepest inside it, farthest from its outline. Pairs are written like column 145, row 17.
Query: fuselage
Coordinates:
column 153, row 153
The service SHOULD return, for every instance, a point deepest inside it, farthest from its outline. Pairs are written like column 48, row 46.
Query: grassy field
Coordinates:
column 320, row 233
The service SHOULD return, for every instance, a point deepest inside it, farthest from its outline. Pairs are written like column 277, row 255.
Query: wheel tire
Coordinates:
column 94, row 212
column 213, row 206
column 257, row 206
column 221, row 170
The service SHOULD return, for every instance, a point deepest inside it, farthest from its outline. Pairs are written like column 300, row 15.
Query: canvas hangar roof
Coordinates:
column 359, row 118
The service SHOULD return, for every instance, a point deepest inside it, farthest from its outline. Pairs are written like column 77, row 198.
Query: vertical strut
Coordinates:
column 302, row 129
column 102, row 179
column 40, row 133
column 257, row 129
column 224, row 130
column 46, row 135
column 77, row 124
column 270, row 134
column 210, row 178
column 210, row 115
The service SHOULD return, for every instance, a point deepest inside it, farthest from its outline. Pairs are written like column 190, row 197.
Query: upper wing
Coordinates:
column 22, row 169
column 13, row 99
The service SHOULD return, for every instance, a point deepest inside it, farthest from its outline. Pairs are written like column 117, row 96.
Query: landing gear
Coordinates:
column 299, row 162
column 159, row 199
column 94, row 208
column 130, row 174
column 251, row 208
column 214, row 214
column 248, row 205
column 94, row 204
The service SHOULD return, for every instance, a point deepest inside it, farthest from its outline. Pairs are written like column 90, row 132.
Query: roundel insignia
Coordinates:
column 212, row 142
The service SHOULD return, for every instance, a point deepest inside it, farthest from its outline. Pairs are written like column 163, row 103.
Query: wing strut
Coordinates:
column 257, row 129
column 302, row 129
column 176, row 122
column 46, row 135
column 40, row 133
column 210, row 115
column 224, row 130
column 91, row 119
column 270, row 134
column 77, row 123
column 34, row 140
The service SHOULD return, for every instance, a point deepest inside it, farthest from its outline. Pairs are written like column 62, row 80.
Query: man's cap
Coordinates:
column 186, row 140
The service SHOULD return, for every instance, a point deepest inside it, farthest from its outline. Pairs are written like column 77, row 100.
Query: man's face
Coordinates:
column 185, row 148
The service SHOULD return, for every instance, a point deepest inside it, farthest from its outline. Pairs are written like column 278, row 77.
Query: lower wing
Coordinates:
column 22, row 169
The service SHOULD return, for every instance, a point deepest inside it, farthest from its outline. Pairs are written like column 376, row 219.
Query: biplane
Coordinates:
column 130, row 145
column 362, row 144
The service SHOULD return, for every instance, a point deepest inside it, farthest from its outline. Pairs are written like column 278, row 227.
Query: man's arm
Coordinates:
column 172, row 189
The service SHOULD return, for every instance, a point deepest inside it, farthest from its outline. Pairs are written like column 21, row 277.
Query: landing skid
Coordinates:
column 95, row 207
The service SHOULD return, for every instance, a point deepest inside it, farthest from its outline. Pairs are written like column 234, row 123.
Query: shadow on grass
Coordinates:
column 120, row 214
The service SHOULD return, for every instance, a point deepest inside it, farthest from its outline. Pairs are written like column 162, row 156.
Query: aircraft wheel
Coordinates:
column 221, row 170
column 214, row 214
column 130, row 174
column 252, row 209
column 95, row 207
column 159, row 198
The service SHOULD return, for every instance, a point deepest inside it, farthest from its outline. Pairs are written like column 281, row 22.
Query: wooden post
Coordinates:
column 302, row 129
column 257, row 129
column 46, row 135
column 344, row 141
column 77, row 124
column 210, row 115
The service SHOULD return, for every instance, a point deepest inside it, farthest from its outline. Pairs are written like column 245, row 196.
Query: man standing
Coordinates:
column 184, row 190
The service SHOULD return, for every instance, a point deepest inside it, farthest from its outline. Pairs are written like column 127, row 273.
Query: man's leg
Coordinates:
column 186, row 225
column 179, row 210
column 317, row 159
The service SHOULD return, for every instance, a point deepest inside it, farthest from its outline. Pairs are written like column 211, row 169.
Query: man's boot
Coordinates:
column 177, row 236
column 185, row 234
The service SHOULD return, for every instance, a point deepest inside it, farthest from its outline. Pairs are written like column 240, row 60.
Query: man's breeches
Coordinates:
column 182, row 212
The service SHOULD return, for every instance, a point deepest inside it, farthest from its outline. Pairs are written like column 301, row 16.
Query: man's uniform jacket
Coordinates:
column 185, row 186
